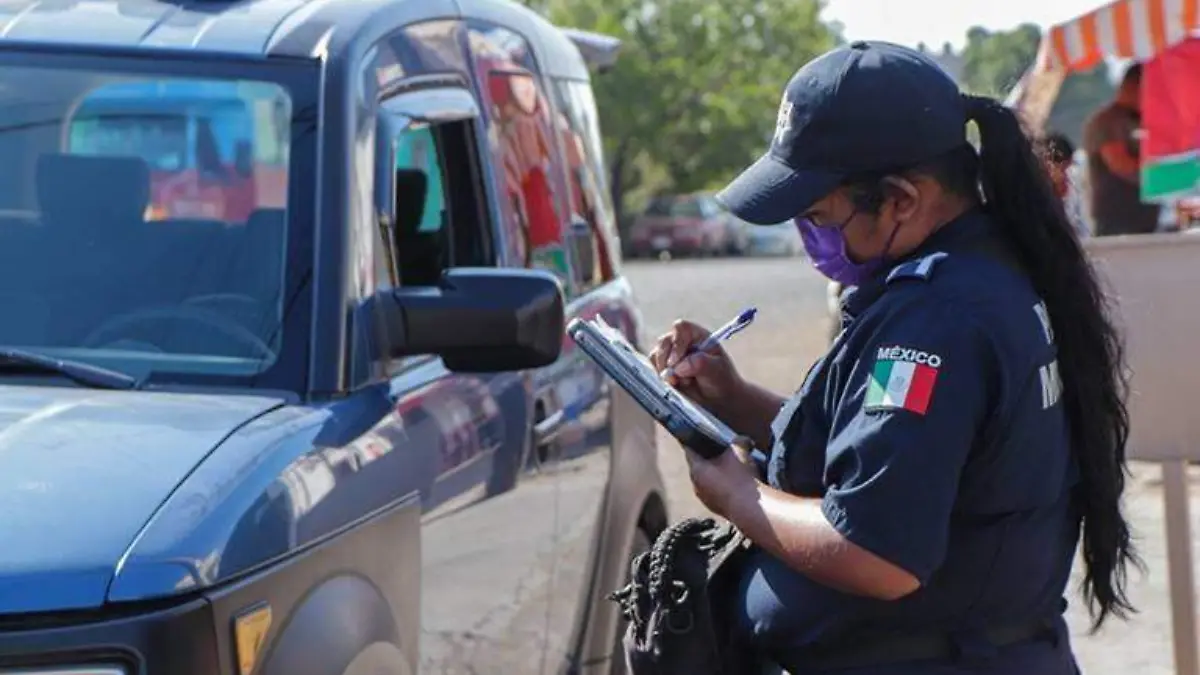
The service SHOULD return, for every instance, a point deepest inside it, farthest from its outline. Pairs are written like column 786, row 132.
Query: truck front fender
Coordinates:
column 343, row 626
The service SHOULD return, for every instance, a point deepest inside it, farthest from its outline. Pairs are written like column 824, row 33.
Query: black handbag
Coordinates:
column 679, row 603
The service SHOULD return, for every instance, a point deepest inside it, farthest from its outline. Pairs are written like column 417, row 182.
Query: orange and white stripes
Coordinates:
column 1131, row 29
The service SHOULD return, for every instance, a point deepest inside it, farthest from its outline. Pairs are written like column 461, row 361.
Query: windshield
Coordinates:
column 160, row 139
column 144, row 220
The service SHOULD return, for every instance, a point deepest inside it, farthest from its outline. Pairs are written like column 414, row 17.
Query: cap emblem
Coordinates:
column 783, row 123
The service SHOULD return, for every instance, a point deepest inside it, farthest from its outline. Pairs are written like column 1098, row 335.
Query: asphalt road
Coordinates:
column 789, row 334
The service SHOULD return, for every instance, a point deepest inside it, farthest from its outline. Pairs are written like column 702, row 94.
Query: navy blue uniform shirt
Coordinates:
column 934, row 433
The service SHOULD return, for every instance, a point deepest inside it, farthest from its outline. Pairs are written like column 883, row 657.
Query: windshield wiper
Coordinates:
column 84, row 373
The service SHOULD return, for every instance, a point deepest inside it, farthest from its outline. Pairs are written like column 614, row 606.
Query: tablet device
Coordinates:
column 690, row 424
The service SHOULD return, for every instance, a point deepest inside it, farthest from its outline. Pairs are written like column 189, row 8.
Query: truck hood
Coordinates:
column 82, row 471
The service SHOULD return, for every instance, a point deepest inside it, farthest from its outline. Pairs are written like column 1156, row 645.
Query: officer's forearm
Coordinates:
column 794, row 530
column 750, row 411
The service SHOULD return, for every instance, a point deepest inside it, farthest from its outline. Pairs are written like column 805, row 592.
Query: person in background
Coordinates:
column 1058, row 153
column 1111, row 141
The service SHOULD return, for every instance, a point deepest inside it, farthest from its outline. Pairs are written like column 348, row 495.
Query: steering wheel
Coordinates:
column 229, row 327
column 218, row 298
column 244, row 309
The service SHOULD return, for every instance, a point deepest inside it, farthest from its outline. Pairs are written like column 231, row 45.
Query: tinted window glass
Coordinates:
column 421, row 240
column 590, row 201
column 161, row 140
column 145, row 231
column 521, row 133
column 210, row 132
column 416, row 50
column 416, row 150
column 428, row 194
column 580, row 105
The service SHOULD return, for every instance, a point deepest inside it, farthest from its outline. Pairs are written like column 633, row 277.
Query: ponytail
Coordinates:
column 1018, row 194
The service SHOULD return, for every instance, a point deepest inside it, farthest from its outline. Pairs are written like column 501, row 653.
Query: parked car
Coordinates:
column 686, row 225
column 345, row 434
column 781, row 239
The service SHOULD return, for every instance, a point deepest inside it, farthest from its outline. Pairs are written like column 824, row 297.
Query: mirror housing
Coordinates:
column 478, row 320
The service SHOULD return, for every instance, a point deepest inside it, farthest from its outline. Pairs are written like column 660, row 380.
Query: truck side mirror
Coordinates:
column 475, row 319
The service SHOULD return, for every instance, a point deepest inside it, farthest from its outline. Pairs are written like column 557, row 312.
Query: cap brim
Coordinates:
column 771, row 192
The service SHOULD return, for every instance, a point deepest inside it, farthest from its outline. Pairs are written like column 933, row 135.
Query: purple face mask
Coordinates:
column 826, row 248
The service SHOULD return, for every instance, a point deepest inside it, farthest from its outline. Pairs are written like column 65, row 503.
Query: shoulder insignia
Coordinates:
column 920, row 269
column 902, row 378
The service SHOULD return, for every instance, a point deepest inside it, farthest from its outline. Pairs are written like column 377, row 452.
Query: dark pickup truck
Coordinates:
column 336, row 430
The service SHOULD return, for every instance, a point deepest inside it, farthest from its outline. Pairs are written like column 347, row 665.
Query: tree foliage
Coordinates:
column 993, row 61
column 693, row 96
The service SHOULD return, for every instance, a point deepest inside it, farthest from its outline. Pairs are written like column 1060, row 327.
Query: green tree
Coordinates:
column 693, row 96
column 993, row 61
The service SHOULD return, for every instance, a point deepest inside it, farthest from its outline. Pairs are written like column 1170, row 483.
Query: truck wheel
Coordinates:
column 641, row 544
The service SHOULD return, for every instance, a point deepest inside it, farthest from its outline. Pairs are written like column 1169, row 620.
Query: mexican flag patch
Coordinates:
column 902, row 379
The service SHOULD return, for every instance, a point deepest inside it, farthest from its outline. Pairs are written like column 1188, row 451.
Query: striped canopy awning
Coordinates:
column 1124, row 29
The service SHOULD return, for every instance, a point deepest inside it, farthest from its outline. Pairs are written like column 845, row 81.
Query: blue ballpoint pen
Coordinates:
column 735, row 326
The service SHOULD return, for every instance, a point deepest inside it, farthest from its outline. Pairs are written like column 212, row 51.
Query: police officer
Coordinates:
column 917, row 504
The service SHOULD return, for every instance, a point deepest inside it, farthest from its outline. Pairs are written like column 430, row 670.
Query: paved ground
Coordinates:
column 789, row 334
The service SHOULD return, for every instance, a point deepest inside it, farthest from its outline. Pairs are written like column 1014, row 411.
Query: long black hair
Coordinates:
column 1017, row 192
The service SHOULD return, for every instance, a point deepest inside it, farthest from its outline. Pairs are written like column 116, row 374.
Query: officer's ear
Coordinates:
column 901, row 198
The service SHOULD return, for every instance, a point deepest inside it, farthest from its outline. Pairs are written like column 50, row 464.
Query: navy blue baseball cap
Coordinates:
column 858, row 109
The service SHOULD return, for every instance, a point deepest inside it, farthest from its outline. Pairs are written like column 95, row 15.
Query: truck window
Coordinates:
column 126, row 254
column 161, row 140
column 521, row 132
column 590, row 200
column 214, row 152
column 431, row 214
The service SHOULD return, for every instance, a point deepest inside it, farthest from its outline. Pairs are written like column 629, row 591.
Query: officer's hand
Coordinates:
column 706, row 377
column 720, row 481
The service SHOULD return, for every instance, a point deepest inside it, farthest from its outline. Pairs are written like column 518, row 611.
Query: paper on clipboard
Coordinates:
column 638, row 366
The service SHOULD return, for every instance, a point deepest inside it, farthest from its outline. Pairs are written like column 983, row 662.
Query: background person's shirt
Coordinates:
column 1116, row 204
